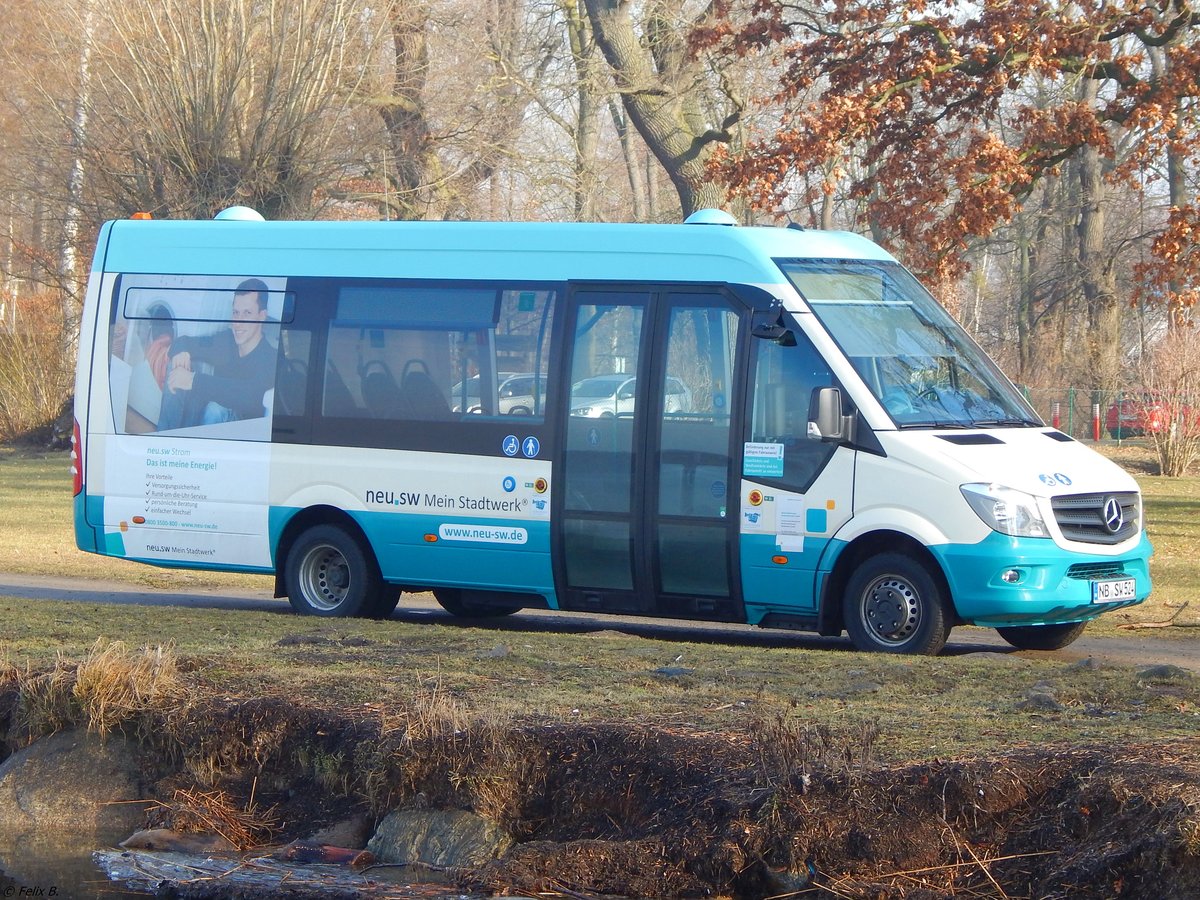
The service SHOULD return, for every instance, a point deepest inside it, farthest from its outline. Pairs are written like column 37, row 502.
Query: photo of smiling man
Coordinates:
column 223, row 376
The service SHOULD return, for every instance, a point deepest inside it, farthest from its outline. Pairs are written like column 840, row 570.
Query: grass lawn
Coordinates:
column 966, row 702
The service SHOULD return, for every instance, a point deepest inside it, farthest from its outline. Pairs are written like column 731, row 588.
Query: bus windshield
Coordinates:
column 917, row 361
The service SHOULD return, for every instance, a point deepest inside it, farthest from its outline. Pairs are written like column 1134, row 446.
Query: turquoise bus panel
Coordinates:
column 85, row 534
column 469, row 553
column 789, row 588
column 489, row 250
column 1055, row 584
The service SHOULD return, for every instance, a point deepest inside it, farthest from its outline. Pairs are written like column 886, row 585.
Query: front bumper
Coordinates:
column 1054, row 585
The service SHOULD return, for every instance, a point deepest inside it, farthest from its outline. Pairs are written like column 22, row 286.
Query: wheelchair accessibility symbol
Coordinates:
column 511, row 446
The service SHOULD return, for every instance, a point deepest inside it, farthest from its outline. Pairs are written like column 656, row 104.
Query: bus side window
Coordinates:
column 420, row 396
column 291, row 374
column 784, row 379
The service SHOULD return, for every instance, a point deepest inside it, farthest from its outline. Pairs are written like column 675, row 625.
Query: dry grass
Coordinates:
column 114, row 685
column 618, row 780
column 111, row 687
column 45, row 701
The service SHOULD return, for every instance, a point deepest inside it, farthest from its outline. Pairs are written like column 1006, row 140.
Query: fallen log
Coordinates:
column 189, row 875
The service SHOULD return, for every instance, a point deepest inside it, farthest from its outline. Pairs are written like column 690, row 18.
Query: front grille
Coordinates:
column 1096, row 571
column 1080, row 517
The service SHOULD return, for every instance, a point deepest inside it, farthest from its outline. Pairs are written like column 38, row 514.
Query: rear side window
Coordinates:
column 197, row 355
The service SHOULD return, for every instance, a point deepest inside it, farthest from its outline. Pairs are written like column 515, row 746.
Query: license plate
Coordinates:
column 1111, row 591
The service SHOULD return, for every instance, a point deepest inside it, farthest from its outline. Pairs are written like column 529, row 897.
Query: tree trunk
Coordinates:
column 638, row 188
column 589, row 106
column 404, row 117
column 1096, row 276
column 68, row 253
column 661, row 93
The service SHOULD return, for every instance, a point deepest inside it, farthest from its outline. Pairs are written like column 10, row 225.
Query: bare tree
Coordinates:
column 404, row 113
column 205, row 103
column 668, row 92
column 1171, row 373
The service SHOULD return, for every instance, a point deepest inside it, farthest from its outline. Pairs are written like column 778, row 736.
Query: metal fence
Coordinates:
column 1100, row 415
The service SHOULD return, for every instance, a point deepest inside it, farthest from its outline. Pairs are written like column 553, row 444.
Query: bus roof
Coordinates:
column 484, row 250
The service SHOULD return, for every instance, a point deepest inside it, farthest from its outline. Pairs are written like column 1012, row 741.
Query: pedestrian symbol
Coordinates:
column 531, row 447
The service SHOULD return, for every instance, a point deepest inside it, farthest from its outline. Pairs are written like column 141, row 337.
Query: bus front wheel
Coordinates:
column 329, row 574
column 893, row 604
column 1042, row 637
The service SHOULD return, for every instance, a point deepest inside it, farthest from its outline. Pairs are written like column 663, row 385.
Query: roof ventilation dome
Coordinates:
column 710, row 217
column 239, row 214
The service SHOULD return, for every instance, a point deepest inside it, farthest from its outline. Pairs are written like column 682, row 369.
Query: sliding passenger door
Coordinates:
column 644, row 522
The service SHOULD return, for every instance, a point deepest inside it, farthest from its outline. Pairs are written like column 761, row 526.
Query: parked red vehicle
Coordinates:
column 1149, row 413
column 1134, row 416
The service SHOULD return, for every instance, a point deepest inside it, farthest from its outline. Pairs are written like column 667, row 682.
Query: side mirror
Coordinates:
column 825, row 419
column 769, row 325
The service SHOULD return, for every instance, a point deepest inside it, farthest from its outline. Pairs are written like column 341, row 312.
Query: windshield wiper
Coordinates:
column 1006, row 423
column 934, row 424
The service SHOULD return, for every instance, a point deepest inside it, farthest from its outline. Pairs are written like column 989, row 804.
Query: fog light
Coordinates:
column 1011, row 576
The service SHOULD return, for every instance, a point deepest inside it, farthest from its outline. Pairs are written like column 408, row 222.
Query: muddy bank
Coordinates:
column 622, row 808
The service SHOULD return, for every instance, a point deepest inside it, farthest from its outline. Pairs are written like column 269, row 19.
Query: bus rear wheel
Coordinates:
column 1042, row 637
column 454, row 602
column 893, row 604
column 329, row 574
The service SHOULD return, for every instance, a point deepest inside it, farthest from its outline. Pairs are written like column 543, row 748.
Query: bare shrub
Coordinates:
column 789, row 747
column 36, row 372
column 1172, row 374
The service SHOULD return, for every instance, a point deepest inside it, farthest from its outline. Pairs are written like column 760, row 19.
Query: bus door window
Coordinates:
column 599, row 460
column 694, row 457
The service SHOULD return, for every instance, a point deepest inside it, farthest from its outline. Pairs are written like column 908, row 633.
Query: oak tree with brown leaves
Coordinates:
column 951, row 113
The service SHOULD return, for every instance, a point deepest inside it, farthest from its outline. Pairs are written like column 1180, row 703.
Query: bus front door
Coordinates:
column 646, row 517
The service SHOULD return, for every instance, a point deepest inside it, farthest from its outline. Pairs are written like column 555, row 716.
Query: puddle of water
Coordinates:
column 38, row 869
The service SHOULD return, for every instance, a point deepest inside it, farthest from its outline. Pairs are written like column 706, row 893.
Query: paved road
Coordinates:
column 1134, row 649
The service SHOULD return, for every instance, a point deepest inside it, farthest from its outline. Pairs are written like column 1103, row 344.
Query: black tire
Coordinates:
column 1042, row 637
column 385, row 602
column 329, row 573
column 894, row 605
column 451, row 600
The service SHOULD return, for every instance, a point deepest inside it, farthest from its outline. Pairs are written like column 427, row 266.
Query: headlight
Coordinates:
column 581, row 411
column 1005, row 510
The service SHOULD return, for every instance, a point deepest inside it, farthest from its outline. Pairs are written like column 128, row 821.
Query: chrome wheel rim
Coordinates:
column 890, row 610
column 325, row 577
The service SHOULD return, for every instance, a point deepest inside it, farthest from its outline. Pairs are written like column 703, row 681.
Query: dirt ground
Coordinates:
column 638, row 810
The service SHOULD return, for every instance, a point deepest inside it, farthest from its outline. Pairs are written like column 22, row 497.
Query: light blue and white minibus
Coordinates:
column 771, row 426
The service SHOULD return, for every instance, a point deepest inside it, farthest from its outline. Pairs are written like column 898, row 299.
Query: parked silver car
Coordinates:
column 603, row 396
